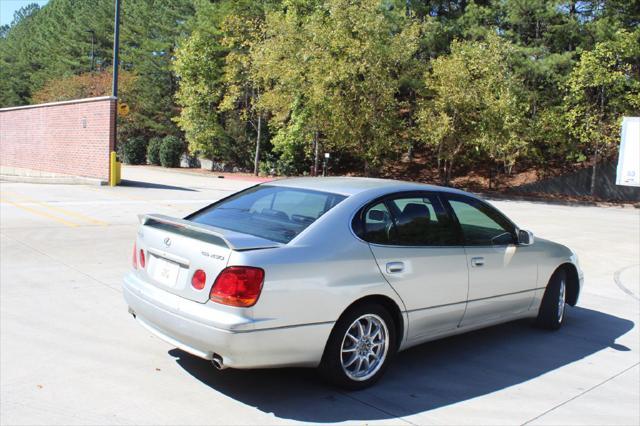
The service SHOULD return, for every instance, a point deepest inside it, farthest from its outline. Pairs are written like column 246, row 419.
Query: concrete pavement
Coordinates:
column 70, row 353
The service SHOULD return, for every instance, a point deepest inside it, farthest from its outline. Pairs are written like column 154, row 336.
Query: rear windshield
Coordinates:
column 271, row 212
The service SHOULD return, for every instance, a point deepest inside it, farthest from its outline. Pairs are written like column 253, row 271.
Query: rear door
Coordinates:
column 417, row 250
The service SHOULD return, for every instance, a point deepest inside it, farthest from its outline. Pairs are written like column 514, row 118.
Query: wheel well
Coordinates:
column 390, row 306
column 573, row 287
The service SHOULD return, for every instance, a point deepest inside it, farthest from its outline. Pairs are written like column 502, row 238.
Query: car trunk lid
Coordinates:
column 176, row 248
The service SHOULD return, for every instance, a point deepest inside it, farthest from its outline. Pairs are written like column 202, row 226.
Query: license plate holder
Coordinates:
column 165, row 272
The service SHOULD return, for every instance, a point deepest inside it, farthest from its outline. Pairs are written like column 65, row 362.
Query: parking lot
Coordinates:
column 71, row 354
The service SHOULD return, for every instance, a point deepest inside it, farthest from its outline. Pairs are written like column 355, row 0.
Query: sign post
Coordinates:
column 325, row 163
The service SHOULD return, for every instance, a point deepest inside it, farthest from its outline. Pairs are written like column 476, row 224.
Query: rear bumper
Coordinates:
column 203, row 331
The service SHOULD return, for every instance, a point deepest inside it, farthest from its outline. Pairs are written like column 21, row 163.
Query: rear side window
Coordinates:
column 415, row 220
column 271, row 212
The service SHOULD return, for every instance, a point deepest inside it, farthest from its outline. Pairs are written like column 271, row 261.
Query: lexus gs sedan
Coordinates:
column 340, row 274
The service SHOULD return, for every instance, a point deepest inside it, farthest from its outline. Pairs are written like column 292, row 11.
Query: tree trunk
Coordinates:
column 410, row 153
column 256, row 160
column 316, row 149
column 448, row 164
column 592, row 189
column 439, row 157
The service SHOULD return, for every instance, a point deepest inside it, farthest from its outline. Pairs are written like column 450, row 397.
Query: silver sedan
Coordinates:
column 341, row 274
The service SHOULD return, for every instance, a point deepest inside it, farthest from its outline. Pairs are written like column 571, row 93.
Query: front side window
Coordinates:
column 272, row 212
column 415, row 220
column 481, row 225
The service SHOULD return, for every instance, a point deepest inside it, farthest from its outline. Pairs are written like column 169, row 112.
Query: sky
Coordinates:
column 7, row 7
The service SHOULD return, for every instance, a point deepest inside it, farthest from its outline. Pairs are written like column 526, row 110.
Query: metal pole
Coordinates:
column 116, row 44
column 114, row 92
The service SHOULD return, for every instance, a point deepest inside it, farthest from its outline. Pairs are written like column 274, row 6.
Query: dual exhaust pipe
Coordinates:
column 217, row 362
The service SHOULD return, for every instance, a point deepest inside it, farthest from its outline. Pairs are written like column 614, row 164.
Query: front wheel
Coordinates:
column 552, row 308
column 360, row 347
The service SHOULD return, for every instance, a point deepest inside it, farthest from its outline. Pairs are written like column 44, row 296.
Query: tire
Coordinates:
column 553, row 307
column 345, row 358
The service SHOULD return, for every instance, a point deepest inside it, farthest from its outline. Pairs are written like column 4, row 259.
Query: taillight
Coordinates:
column 142, row 260
column 199, row 279
column 238, row 286
column 134, row 260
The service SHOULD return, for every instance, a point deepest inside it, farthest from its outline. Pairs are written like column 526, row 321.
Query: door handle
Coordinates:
column 395, row 267
column 477, row 261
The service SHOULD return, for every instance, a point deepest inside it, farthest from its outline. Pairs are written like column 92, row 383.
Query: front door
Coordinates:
column 416, row 246
column 502, row 274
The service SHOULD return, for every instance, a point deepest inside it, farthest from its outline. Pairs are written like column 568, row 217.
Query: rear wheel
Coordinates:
column 360, row 347
column 552, row 309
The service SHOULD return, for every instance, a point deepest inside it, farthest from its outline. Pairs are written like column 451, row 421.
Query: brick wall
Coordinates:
column 71, row 138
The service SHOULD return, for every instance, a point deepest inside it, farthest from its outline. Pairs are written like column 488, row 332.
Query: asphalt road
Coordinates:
column 70, row 353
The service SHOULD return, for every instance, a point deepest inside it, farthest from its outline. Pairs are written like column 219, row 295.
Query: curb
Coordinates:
column 65, row 180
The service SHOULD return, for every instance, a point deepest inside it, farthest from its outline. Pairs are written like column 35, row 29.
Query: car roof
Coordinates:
column 355, row 185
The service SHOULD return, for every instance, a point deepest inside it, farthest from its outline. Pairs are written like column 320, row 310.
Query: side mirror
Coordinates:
column 525, row 238
column 377, row 215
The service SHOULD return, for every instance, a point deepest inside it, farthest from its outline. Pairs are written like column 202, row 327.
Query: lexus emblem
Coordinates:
column 167, row 242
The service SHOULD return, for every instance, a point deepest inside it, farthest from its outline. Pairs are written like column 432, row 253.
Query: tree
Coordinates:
column 198, row 65
column 150, row 30
column 472, row 105
column 286, row 86
column 241, row 33
column 333, row 74
column 85, row 85
column 207, row 77
column 16, row 59
column 604, row 86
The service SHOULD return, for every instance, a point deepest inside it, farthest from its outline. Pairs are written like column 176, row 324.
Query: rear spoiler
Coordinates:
column 210, row 234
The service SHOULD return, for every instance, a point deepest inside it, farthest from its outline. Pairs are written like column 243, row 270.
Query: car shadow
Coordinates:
column 423, row 378
column 150, row 185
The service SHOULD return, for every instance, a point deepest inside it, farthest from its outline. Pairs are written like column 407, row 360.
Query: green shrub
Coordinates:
column 272, row 165
column 170, row 151
column 153, row 150
column 134, row 150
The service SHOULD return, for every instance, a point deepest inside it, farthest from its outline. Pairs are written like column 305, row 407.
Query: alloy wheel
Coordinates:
column 364, row 347
column 562, row 298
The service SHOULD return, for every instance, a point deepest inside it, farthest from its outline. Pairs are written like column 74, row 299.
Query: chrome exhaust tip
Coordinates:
column 217, row 362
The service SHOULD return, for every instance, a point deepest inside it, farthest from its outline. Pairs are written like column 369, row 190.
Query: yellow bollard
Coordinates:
column 113, row 169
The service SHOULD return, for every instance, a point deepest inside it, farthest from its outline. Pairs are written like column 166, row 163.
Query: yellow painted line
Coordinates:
column 39, row 213
column 58, row 209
